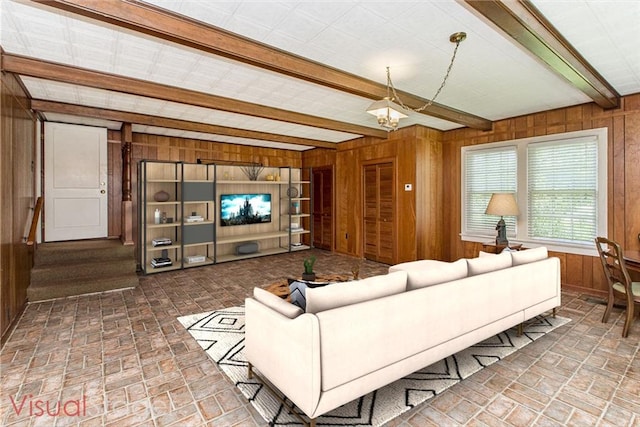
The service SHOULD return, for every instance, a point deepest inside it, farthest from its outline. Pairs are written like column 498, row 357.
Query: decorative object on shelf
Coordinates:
column 295, row 228
column 252, row 171
column 161, row 241
column 161, row 196
column 247, row 248
column 277, row 177
column 292, row 192
column 161, row 262
column 295, row 208
column 502, row 204
column 194, row 259
column 194, row 218
column 389, row 113
column 308, row 268
column 157, row 216
column 269, row 177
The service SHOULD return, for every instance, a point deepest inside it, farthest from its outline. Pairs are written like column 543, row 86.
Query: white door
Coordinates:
column 75, row 182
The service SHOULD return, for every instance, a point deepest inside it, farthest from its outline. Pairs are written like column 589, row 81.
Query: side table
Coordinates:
column 492, row 248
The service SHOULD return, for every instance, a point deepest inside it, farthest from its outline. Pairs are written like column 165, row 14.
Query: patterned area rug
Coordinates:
column 221, row 335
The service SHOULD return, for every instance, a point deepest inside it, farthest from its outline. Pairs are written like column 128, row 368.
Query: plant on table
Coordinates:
column 308, row 268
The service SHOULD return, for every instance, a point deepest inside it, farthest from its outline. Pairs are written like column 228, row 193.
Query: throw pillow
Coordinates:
column 298, row 293
column 529, row 255
column 487, row 263
column 428, row 272
column 276, row 303
column 347, row 293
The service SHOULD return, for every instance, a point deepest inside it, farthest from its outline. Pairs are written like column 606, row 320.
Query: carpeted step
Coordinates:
column 96, row 268
column 59, row 289
column 83, row 250
column 63, row 269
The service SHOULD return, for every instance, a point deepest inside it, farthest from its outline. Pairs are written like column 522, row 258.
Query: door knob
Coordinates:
column 102, row 191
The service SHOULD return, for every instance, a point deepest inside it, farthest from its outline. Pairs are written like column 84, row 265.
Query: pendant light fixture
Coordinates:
column 389, row 110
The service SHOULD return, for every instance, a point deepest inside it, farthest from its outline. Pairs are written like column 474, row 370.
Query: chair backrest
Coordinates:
column 613, row 264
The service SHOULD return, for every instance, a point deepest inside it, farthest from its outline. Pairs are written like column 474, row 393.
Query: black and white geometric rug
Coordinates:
column 221, row 335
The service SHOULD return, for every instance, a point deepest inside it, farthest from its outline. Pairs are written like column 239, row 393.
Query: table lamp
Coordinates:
column 502, row 204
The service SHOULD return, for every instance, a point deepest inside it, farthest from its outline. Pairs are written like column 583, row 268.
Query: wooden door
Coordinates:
column 75, row 182
column 379, row 218
column 323, row 208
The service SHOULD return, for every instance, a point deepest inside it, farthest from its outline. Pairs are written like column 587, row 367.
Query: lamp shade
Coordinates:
column 386, row 108
column 502, row 204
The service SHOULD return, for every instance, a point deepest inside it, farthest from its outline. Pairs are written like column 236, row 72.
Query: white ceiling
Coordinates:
column 493, row 77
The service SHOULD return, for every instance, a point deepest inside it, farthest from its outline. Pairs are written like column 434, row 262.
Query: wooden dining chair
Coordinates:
column 620, row 285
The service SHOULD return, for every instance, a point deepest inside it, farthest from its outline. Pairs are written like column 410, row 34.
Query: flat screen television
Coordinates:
column 244, row 208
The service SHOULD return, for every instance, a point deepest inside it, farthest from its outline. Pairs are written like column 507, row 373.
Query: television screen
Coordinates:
column 240, row 209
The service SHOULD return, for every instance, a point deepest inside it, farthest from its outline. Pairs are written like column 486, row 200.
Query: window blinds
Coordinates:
column 562, row 190
column 488, row 171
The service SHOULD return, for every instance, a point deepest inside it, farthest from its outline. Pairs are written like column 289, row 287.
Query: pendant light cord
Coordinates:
column 429, row 103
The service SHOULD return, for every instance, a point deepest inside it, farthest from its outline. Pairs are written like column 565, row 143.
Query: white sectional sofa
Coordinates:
column 356, row 337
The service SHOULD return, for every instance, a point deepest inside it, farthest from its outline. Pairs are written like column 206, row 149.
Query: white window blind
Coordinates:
column 488, row 171
column 563, row 190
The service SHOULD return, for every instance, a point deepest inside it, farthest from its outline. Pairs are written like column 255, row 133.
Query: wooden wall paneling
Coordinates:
column 573, row 117
column 556, row 121
column 6, row 207
column 348, row 203
column 17, row 183
column 350, row 157
column 632, row 173
column 452, row 202
column 523, row 127
column 574, row 270
column 114, row 187
column 599, row 280
column 428, row 189
column 406, row 240
column 616, row 182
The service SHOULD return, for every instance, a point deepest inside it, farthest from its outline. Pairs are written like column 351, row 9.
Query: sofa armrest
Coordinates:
column 285, row 351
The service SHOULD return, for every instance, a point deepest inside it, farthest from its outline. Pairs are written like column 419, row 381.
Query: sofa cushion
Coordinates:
column 529, row 255
column 276, row 303
column 347, row 293
column 431, row 272
column 488, row 262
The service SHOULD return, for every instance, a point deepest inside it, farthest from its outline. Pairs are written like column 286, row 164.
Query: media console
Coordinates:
column 211, row 213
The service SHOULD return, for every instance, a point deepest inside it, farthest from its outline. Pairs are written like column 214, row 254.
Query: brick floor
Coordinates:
column 122, row 359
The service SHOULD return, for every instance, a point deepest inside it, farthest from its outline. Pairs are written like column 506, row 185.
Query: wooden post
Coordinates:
column 127, row 204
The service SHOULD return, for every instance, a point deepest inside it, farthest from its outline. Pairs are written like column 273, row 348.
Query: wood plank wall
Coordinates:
column 400, row 148
column 17, row 183
column 158, row 147
column 581, row 272
column 417, row 154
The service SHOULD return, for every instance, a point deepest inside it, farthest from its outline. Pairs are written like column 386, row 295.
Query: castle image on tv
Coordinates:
column 241, row 209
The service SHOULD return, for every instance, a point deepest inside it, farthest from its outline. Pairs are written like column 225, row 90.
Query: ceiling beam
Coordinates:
column 161, row 23
column 84, row 77
column 528, row 26
column 164, row 122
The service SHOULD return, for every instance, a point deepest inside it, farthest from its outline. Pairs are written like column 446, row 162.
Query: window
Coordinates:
column 488, row 171
column 560, row 183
